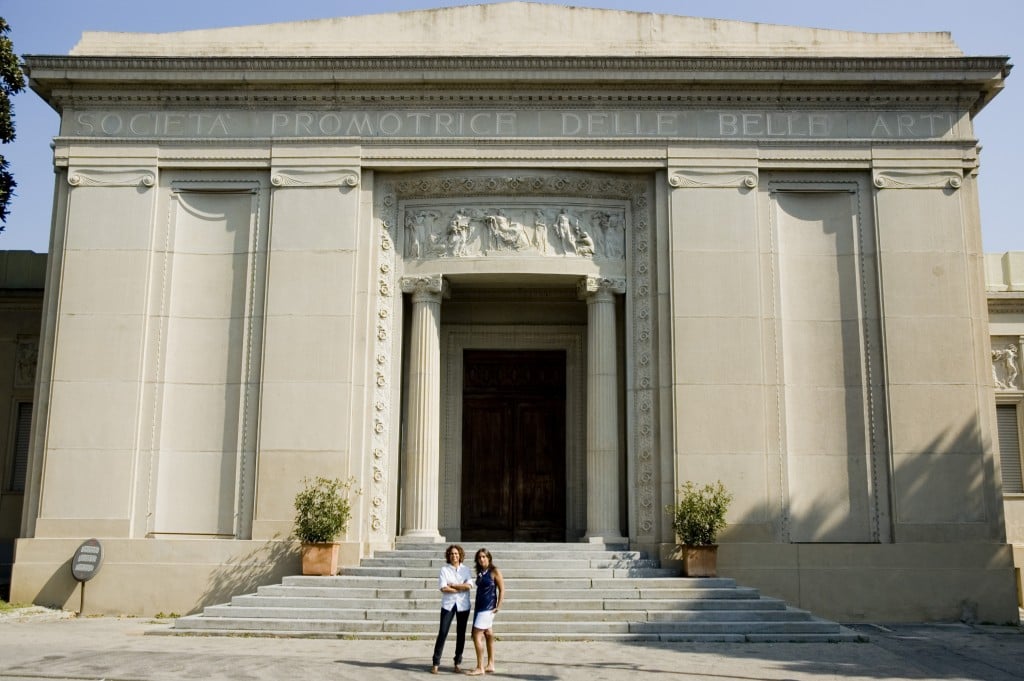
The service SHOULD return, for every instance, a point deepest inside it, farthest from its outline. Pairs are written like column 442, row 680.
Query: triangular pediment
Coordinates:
column 516, row 29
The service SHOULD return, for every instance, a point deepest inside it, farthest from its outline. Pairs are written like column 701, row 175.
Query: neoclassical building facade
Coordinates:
column 521, row 286
column 1004, row 283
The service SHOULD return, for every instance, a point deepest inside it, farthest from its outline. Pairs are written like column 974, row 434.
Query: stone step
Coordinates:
column 556, row 591
column 503, row 548
column 521, row 592
column 736, row 631
column 594, row 602
column 560, row 583
column 430, row 615
column 610, row 598
column 518, row 564
column 510, row 572
column 437, row 554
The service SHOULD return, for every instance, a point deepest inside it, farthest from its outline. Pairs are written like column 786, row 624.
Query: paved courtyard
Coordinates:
column 123, row 649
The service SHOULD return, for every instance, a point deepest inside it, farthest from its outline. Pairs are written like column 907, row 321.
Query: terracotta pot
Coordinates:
column 700, row 561
column 320, row 559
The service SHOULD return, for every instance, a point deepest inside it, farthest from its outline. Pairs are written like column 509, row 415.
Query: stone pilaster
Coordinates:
column 604, row 495
column 420, row 484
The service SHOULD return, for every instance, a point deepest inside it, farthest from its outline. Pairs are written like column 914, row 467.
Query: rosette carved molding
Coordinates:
column 96, row 177
column 301, row 177
column 732, row 178
column 918, row 179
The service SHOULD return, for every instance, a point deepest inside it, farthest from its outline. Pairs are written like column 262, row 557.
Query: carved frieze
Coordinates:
column 524, row 228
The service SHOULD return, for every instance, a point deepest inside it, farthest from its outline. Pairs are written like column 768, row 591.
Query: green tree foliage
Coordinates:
column 12, row 81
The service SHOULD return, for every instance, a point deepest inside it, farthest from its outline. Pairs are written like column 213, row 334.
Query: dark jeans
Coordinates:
column 462, row 618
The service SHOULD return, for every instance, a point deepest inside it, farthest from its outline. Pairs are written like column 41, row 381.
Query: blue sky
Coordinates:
column 980, row 28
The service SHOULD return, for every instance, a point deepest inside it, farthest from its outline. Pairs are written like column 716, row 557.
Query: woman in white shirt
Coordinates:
column 455, row 582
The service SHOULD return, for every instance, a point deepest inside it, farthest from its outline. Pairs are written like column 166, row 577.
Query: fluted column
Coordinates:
column 423, row 422
column 603, row 460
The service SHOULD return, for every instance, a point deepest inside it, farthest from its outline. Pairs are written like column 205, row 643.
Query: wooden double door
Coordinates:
column 513, row 445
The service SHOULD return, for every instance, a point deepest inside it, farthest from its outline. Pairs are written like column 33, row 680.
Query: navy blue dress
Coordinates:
column 486, row 592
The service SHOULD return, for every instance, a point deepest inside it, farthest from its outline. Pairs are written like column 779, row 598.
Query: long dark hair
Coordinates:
column 476, row 559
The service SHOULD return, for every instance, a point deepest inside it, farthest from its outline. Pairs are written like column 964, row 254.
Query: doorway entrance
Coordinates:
column 513, row 445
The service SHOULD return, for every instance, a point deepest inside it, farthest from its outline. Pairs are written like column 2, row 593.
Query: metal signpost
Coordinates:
column 85, row 564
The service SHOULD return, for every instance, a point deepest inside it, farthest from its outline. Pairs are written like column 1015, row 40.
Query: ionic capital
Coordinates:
column 600, row 287
column 428, row 289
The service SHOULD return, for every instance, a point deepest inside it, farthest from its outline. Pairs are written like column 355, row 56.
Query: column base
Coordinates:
column 420, row 537
column 605, row 538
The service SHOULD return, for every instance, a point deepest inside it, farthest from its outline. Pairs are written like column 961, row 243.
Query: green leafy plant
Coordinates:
column 699, row 513
column 322, row 509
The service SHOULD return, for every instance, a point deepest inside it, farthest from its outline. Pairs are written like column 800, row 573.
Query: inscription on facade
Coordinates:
column 502, row 123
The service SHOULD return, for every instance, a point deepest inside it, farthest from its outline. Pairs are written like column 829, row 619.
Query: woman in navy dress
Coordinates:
column 490, row 591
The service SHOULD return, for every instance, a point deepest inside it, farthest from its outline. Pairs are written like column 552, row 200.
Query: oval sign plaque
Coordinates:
column 87, row 560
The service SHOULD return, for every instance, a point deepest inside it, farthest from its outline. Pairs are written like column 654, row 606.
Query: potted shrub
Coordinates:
column 697, row 517
column 322, row 512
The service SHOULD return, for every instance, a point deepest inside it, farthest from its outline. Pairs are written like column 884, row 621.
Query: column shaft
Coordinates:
column 603, row 459
column 423, row 422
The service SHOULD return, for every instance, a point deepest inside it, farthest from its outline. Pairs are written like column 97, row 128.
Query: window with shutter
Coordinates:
column 23, row 428
column 1009, row 448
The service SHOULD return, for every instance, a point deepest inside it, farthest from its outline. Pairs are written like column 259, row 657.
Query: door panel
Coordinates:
column 513, row 470
column 540, row 475
column 485, row 467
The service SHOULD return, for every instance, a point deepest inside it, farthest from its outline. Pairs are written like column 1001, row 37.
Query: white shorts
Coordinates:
column 483, row 620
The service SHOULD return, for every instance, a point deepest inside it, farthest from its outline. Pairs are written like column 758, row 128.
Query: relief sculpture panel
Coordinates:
column 527, row 229
column 1006, row 363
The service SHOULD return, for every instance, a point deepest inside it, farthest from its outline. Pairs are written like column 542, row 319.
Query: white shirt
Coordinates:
column 449, row 576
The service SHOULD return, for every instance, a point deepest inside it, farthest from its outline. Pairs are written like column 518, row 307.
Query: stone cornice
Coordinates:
column 462, row 94
column 984, row 75
column 1005, row 303
column 959, row 67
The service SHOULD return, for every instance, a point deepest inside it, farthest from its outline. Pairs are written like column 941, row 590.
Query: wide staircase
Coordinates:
column 554, row 592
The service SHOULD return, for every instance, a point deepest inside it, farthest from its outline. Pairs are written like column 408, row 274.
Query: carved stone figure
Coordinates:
column 540, row 230
column 458, row 234
column 615, row 237
column 412, row 238
column 420, row 235
column 1007, row 358
column 25, row 362
column 584, row 243
column 505, row 233
column 565, row 232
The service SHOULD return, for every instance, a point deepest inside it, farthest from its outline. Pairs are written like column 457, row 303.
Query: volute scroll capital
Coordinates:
column 600, row 286
column 430, row 288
